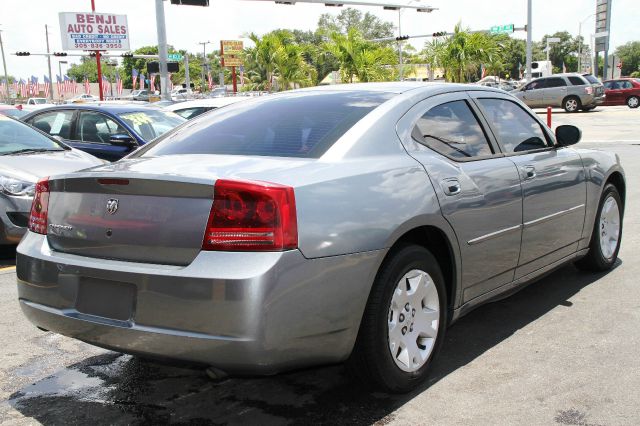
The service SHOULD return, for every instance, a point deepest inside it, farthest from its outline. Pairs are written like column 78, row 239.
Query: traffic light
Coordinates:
column 59, row 53
column 404, row 37
column 440, row 34
column 23, row 53
column 92, row 54
column 127, row 55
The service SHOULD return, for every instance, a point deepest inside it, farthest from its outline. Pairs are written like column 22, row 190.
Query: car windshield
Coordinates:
column 591, row 79
column 40, row 101
column 304, row 124
column 17, row 137
column 151, row 124
column 14, row 112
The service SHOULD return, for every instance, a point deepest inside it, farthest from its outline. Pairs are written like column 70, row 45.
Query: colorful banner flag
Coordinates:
column 47, row 86
column 134, row 78
column 87, row 86
column 118, row 84
column 141, row 80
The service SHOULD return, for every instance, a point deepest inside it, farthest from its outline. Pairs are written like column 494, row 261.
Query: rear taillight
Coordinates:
column 589, row 90
column 251, row 216
column 40, row 207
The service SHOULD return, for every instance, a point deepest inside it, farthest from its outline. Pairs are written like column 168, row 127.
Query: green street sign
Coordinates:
column 174, row 57
column 497, row 29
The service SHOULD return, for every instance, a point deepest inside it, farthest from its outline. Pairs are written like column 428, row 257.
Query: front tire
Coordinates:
column 607, row 233
column 571, row 104
column 633, row 102
column 404, row 322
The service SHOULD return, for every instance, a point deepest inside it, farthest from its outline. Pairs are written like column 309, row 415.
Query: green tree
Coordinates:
column 629, row 54
column 88, row 67
column 367, row 24
column 563, row 52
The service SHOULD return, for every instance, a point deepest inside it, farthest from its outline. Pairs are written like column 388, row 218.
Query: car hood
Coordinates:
column 31, row 167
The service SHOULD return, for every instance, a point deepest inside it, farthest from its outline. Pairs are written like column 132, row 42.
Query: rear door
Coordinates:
column 478, row 189
column 553, row 183
column 56, row 123
column 555, row 90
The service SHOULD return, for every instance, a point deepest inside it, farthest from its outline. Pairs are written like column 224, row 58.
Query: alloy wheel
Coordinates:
column 609, row 227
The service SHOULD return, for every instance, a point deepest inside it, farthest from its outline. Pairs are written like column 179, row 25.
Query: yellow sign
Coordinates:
column 232, row 61
column 231, row 47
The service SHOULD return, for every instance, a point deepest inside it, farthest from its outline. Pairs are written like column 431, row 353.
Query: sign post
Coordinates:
column 229, row 51
column 95, row 32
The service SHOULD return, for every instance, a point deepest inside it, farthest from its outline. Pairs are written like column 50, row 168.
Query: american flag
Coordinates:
column 74, row 85
column 105, row 86
column 134, row 77
column 152, row 82
column 4, row 87
column 47, row 86
column 210, row 80
column 59, row 84
column 67, row 84
column 33, row 87
column 141, row 78
column 87, row 86
column 24, row 89
column 16, row 85
column 118, row 84
column 169, row 82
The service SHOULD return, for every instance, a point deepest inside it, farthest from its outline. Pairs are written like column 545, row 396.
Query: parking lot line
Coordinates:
column 7, row 268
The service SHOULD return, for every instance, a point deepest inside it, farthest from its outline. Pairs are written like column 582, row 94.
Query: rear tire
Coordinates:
column 633, row 102
column 401, row 331
column 571, row 104
column 607, row 233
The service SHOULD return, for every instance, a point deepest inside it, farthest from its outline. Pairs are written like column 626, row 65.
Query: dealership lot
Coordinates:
column 561, row 351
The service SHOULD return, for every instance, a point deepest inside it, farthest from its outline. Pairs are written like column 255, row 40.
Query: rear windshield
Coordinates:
column 591, row 79
column 304, row 124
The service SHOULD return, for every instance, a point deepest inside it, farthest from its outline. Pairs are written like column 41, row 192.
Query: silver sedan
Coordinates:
column 347, row 223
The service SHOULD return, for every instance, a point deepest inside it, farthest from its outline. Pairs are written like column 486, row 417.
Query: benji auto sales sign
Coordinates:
column 94, row 31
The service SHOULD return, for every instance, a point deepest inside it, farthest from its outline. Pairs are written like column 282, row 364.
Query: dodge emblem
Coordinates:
column 112, row 205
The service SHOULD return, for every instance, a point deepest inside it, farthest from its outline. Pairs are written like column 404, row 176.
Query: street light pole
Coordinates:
column 4, row 64
column 401, row 71
column 529, row 41
column 162, row 49
column 581, row 42
column 204, row 59
column 46, row 32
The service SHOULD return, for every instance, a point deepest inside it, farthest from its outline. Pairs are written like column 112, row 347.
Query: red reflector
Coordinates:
column 251, row 216
column 113, row 181
column 40, row 207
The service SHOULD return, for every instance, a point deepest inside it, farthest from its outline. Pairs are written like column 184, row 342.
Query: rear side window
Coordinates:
column 577, row 81
column 303, row 125
column 591, row 79
column 55, row 123
column 555, row 82
column 627, row 85
column 452, row 130
column 517, row 130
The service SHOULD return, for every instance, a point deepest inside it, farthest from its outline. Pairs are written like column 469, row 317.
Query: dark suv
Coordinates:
column 570, row 91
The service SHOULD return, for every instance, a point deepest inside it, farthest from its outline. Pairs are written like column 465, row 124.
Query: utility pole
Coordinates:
column 99, row 66
column 401, row 72
column 204, row 60
column 529, row 41
column 46, row 33
column 4, row 64
column 187, row 80
column 162, row 49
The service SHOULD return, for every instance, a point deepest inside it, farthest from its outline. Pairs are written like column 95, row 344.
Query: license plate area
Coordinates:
column 107, row 299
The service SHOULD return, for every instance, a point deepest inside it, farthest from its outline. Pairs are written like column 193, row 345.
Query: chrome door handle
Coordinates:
column 451, row 186
column 529, row 172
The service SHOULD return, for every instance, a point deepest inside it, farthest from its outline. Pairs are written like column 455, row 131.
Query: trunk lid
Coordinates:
column 151, row 210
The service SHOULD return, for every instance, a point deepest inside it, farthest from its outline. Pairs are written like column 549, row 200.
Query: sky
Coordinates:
column 24, row 30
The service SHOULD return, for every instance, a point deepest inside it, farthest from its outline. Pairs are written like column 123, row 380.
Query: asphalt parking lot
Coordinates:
column 562, row 351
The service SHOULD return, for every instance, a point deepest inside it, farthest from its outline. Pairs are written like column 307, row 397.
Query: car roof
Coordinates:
column 209, row 102
column 397, row 87
column 98, row 106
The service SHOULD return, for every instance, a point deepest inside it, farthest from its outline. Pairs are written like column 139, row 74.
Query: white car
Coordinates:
column 82, row 98
column 33, row 104
column 190, row 109
column 180, row 94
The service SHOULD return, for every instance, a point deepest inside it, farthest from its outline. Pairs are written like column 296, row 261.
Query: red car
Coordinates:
column 12, row 111
column 622, row 91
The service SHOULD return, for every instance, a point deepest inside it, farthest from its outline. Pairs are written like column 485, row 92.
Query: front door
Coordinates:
column 478, row 189
column 555, row 90
column 93, row 132
column 533, row 93
column 553, row 184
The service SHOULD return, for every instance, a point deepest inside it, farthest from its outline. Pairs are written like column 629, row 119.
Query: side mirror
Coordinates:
column 568, row 135
column 121, row 140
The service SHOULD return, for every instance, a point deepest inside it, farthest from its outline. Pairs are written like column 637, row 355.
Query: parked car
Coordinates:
column 27, row 155
column 571, row 91
column 180, row 94
column 82, row 99
column 623, row 91
column 316, row 226
column 109, row 131
column 15, row 111
column 191, row 109
column 139, row 95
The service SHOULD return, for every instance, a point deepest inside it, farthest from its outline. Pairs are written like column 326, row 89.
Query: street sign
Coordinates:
column 497, row 29
column 175, row 57
column 232, row 61
column 231, row 47
column 93, row 31
column 603, row 22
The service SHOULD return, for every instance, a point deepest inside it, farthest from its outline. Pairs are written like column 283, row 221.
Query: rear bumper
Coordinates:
column 245, row 313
